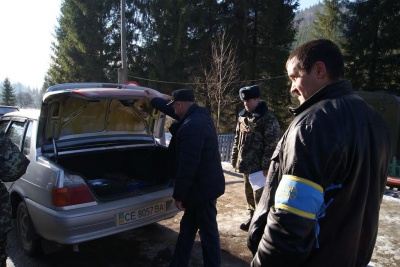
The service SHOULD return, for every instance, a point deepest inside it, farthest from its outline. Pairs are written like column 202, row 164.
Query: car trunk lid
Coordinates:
column 77, row 115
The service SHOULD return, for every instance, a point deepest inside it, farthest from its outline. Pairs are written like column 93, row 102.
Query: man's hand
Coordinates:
column 179, row 205
column 265, row 173
column 149, row 94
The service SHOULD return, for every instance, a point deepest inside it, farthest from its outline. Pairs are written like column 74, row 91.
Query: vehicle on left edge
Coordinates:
column 98, row 165
column 6, row 109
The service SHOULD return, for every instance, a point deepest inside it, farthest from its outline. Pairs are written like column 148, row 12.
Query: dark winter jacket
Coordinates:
column 161, row 104
column 335, row 140
column 257, row 134
column 199, row 177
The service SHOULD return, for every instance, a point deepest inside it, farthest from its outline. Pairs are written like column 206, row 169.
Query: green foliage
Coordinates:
column 81, row 53
column 175, row 38
column 8, row 95
column 328, row 23
column 372, row 47
column 17, row 94
column 304, row 20
column 264, row 31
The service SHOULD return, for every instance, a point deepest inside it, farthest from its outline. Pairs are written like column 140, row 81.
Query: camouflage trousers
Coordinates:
column 5, row 211
column 3, row 252
column 252, row 197
column 5, row 222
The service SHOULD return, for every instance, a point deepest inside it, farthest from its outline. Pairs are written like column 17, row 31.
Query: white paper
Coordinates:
column 257, row 180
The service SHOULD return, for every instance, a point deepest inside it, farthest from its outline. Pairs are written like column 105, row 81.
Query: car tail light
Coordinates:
column 73, row 191
column 71, row 196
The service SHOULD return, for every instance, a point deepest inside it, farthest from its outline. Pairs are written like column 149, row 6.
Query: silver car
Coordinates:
column 97, row 165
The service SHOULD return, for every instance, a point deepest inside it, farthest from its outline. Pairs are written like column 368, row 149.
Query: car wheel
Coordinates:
column 28, row 237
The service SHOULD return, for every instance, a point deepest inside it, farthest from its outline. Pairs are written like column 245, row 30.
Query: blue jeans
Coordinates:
column 204, row 219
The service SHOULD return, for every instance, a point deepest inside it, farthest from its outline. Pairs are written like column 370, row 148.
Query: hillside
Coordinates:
column 305, row 19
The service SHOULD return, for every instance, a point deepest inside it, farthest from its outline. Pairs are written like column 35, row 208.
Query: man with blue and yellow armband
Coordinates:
column 320, row 205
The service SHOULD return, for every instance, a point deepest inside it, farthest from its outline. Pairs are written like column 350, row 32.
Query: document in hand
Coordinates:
column 257, row 180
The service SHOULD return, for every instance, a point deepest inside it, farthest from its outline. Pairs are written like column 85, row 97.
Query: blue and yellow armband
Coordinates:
column 304, row 198
column 299, row 196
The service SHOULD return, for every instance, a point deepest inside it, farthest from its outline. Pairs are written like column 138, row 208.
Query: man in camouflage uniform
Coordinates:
column 13, row 165
column 257, row 134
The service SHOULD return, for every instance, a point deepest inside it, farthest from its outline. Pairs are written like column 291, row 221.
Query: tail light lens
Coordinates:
column 74, row 192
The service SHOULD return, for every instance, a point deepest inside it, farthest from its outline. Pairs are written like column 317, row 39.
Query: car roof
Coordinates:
column 3, row 106
column 6, row 109
column 24, row 113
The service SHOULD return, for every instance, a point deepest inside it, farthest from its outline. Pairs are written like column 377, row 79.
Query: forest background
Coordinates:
column 217, row 47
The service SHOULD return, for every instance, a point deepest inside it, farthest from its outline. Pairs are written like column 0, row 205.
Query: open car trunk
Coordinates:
column 121, row 173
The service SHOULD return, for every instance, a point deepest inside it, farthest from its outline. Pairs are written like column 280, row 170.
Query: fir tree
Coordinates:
column 8, row 94
column 328, row 23
column 372, row 47
column 81, row 51
column 264, row 31
column 175, row 40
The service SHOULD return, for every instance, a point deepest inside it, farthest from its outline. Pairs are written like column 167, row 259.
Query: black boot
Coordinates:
column 245, row 226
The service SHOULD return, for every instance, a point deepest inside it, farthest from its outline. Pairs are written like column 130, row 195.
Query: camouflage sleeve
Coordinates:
column 13, row 163
column 235, row 148
column 271, row 137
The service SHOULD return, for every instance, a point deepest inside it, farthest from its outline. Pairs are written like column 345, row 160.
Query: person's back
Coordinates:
column 358, row 152
column 199, row 180
column 198, row 130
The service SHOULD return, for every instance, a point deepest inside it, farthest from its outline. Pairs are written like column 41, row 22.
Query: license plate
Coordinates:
column 139, row 214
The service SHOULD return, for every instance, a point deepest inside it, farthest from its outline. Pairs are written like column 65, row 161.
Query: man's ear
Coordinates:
column 320, row 69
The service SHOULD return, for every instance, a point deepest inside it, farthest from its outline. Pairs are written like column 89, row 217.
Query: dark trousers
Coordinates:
column 204, row 219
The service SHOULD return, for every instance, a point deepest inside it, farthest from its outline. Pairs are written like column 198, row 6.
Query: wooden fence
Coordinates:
column 225, row 142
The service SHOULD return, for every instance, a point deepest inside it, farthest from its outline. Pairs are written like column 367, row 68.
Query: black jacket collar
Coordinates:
column 260, row 110
column 330, row 91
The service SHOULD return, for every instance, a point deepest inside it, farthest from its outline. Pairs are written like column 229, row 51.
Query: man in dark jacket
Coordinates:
column 320, row 206
column 199, row 178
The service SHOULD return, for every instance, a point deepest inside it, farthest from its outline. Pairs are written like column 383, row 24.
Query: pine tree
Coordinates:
column 175, row 39
column 372, row 47
column 8, row 94
column 81, row 53
column 328, row 23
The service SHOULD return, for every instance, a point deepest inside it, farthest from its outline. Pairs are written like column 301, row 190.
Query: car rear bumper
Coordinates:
column 88, row 223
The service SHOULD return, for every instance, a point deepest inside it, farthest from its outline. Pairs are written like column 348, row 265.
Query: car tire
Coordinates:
column 28, row 237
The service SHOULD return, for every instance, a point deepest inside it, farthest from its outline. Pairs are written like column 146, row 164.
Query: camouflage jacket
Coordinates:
column 13, row 162
column 256, row 137
column 13, row 165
